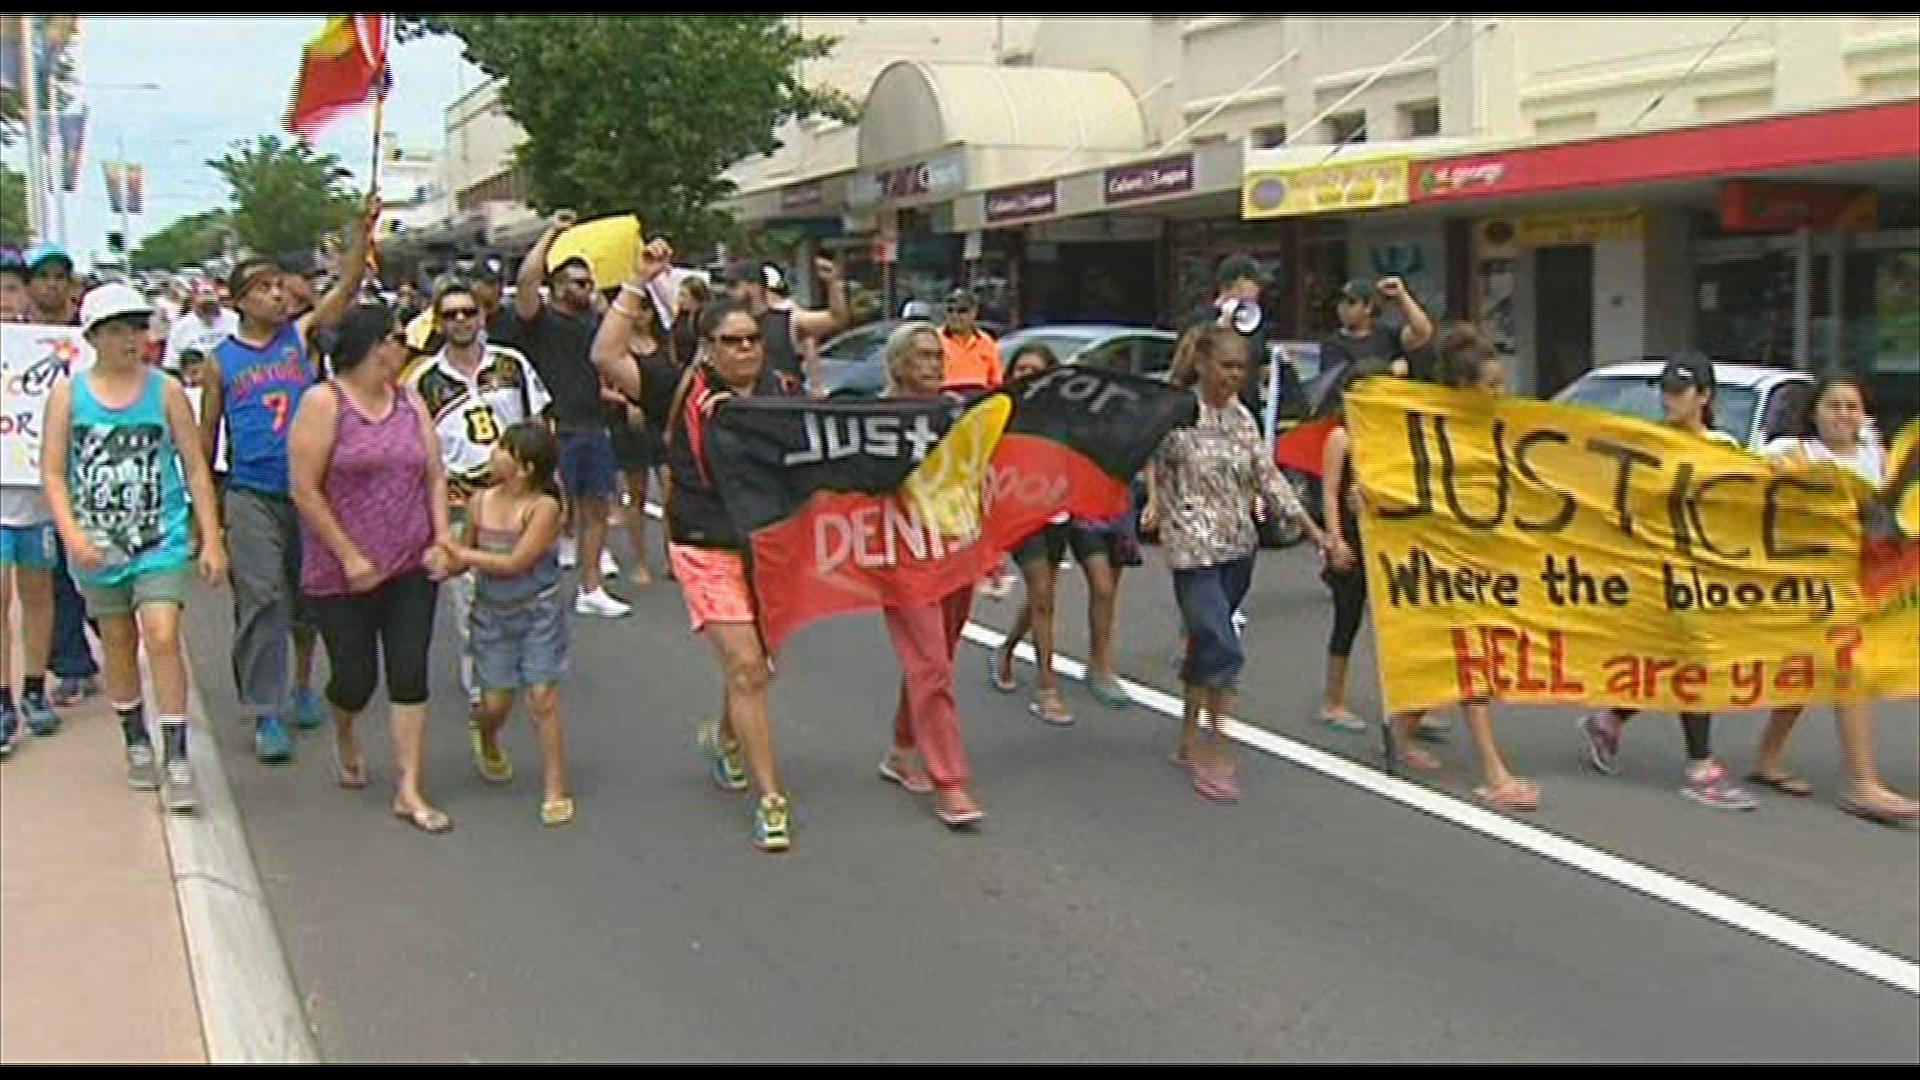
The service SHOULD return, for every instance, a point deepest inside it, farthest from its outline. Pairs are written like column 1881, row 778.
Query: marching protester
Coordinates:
column 926, row 636
column 1239, row 283
column 783, row 326
column 1834, row 430
column 1463, row 360
column 1203, row 485
column 519, row 635
column 1363, row 347
column 634, row 324
column 706, row 552
column 1686, row 395
column 1103, row 550
column 474, row 389
column 29, row 549
column 253, row 384
column 204, row 325
column 120, row 457
column 372, row 496
column 54, row 295
column 557, row 336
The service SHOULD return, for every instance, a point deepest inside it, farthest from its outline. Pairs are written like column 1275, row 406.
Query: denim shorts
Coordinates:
column 587, row 466
column 516, row 646
column 163, row 586
column 29, row 547
column 1208, row 597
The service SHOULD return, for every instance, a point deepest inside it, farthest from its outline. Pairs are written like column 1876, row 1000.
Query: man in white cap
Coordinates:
column 202, row 326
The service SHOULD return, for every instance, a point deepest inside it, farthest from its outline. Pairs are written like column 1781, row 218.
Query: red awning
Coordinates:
column 1870, row 133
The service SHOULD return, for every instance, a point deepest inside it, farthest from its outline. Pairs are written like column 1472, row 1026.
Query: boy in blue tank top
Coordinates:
column 121, row 452
column 253, row 383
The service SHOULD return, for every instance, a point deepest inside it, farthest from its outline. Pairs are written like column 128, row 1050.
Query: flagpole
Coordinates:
column 380, row 96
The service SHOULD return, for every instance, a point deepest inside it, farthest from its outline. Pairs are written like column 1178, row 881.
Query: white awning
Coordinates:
column 916, row 108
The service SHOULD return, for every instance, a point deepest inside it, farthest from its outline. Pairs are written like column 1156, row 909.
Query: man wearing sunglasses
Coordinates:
column 557, row 336
column 474, row 389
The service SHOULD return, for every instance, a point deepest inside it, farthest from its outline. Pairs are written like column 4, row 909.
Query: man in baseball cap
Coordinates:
column 51, row 282
column 15, row 304
column 1690, row 371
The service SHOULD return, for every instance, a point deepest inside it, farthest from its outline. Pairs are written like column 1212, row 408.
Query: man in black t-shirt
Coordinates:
column 1361, row 347
column 557, row 338
column 1237, row 305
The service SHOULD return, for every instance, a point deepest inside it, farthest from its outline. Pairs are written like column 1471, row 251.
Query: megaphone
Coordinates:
column 1244, row 316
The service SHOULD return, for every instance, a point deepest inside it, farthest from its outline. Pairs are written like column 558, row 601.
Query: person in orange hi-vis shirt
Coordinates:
column 972, row 356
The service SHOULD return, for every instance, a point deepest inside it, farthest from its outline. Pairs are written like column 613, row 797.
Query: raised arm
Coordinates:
column 1419, row 328
column 533, row 268
column 824, row 324
column 353, row 271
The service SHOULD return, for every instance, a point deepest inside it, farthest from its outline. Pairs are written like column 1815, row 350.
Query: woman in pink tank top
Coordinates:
column 372, row 495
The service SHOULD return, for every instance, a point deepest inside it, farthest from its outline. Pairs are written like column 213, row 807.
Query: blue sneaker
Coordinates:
column 9, row 723
column 271, row 743
column 724, row 761
column 771, row 831
column 307, row 713
column 41, row 719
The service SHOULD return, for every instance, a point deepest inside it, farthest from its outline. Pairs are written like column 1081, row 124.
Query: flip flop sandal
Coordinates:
column 427, row 821
column 960, row 819
column 556, row 811
column 494, row 770
column 1007, row 686
column 1515, row 796
column 1343, row 721
column 915, row 782
column 1109, row 692
column 353, row 779
column 1879, row 815
column 1785, row 783
column 1053, row 712
column 1214, row 783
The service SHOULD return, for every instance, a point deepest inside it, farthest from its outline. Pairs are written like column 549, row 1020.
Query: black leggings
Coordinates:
column 1349, row 609
column 1697, row 727
column 395, row 619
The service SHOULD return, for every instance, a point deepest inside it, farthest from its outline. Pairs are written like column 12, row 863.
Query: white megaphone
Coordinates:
column 1243, row 315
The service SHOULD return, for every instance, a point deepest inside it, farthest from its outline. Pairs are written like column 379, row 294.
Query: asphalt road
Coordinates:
column 1103, row 912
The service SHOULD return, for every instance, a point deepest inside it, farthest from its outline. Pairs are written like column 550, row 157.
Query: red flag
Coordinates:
column 338, row 70
column 1305, row 447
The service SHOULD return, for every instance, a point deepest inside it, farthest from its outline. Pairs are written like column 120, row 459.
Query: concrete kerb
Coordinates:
column 250, row 1012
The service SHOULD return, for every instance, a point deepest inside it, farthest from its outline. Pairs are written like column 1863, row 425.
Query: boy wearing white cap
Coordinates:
column 120, row 455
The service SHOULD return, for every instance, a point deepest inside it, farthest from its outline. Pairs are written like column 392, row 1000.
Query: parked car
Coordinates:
column 1133, row 350
column 1753, row 404
column 853, row 362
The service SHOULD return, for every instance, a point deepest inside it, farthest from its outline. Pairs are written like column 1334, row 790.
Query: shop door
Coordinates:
column 1563, row 315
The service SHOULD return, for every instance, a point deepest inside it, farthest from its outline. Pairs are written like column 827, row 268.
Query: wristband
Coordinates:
column 628, row 312
column 629, row 287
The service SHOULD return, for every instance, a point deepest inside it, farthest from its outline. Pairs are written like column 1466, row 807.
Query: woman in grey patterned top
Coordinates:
column 1202, row 490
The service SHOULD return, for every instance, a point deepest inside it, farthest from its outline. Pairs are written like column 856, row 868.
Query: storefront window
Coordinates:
column 1745, row 310
column 1880, row 337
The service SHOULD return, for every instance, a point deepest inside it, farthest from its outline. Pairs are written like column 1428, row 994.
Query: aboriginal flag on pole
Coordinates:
column 338, row 71
column 856, row 506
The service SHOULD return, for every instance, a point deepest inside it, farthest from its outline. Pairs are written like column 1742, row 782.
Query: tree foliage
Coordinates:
column 285, row 197
column 191, row 241
column 642, row 113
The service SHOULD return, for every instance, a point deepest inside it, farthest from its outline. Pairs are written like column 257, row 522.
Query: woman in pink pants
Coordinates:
column 925, row 637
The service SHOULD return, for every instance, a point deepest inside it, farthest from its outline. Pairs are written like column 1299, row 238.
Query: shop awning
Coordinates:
column 916, row 108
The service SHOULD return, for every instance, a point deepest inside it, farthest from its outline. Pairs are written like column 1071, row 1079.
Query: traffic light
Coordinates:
column 117, row 242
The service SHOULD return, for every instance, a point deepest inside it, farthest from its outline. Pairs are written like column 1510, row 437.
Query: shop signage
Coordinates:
column 1027, row 200
column 808, row 196
column 1441, row 180
column 1557, row 230
column 1748, row 206
column 944, row 175
column 1323, row 189
column 1168, row 176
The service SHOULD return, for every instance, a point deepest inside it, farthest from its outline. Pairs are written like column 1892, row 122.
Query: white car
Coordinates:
column 1753, row 404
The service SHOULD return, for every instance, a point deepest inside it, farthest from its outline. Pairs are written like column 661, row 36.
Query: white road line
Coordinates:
column 1895, row 971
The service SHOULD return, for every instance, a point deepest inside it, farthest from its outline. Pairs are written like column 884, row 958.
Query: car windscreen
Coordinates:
column 1639, row 396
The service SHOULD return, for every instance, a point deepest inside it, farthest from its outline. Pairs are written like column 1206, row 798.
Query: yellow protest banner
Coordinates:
column 607, row 244
column 1527, row 552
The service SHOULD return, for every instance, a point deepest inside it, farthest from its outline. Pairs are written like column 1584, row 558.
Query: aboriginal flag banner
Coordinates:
column 857, row 506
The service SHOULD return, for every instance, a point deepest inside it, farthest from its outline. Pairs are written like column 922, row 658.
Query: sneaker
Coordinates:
column 182, row 793
column 1707, row 785
column 770, row 832
column 608, row 566
column 1239, row 623
column 598, row 603
column 143, row 769
column 569, row 553
column 71, row 692
column 9, row 723
column 307, row 713
column 724, row 761
column 271, row 743
column 41, row 719
column 1602, row 733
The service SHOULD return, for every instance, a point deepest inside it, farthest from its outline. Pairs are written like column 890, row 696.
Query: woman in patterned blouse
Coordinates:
column 1205, row 482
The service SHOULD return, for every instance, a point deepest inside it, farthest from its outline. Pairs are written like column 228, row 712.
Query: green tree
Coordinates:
column 13, row 205
column 642, row 112
column 285, row 197
column 190, row 241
